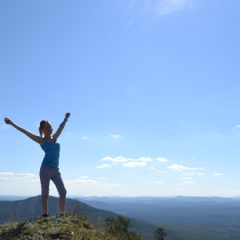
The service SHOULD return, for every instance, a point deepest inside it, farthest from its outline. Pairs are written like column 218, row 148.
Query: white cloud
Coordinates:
column 134, row 164
column 217, row 174
column 192, row 173
column 26, row 175
column 160, row 159
column 177, row 167
column 145, row 159
column 104, row 166
column 118, row 159
column 189, row 182
column 83, row 179
column 130, row 162
column 10, row 176
column 91, row 187
column 12, row 183
column 6, row 174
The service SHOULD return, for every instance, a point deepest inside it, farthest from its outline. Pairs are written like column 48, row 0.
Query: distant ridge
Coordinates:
column 12, row 198
column 29, row 208
column 182, row 218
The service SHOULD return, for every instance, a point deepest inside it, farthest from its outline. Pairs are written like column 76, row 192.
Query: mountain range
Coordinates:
column 183, row 218
column 28, row 209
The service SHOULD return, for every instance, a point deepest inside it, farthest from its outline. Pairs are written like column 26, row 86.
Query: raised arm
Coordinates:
column 62, row 125
column 30, row 135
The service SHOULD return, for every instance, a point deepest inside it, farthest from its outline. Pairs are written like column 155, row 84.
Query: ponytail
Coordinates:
column 41, row 126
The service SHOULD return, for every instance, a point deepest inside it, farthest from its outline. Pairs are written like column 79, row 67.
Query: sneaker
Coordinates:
column 65, row 214
column 45, row 215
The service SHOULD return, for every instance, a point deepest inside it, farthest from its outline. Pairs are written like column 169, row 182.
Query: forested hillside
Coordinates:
column 30, row 208
column 181, row 218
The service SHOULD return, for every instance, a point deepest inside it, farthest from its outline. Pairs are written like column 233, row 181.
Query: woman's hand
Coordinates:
column 7, row 121
column 59, row 131
column 67, row 115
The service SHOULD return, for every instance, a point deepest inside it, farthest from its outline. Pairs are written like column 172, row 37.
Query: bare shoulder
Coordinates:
column 41, row 141
column 38, row 139
column 54, row 138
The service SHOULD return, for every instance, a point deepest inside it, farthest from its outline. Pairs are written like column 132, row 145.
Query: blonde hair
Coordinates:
column 41, row 126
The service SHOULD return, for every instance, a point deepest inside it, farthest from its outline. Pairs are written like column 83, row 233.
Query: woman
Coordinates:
column 49, row 168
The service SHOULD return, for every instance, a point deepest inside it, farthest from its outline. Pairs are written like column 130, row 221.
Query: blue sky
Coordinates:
column 152, row 87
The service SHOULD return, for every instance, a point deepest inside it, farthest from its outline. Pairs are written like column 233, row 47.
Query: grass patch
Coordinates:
column 70, row 227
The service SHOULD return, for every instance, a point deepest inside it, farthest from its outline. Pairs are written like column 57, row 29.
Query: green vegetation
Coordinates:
column 69, row 227
column 160, row 234
column 30, row 208
column 120, row 228
column 181, row 219
column 200, row 232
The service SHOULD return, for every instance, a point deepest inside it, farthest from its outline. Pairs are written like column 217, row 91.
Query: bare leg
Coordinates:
column 62, row 201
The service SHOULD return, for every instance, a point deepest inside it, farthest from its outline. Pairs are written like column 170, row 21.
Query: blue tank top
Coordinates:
column 52, row 152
